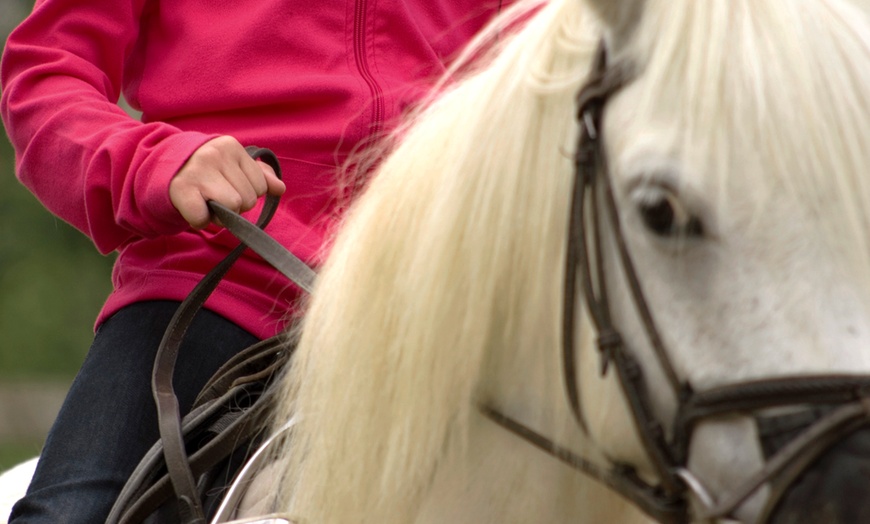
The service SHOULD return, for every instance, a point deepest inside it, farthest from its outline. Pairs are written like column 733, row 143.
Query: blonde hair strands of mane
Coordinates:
column 386, row 376
column 443, row 286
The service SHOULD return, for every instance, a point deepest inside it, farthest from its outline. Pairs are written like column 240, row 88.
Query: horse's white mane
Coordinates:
column 444, row 284
column 429, row 289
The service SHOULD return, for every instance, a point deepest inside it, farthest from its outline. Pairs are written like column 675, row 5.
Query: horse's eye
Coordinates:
column 659, row 216
column 665, row 216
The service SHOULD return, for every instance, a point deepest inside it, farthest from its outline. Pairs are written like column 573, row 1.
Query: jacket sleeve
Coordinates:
column 84, row 158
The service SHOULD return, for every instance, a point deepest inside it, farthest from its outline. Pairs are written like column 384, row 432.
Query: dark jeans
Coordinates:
column 108, row 420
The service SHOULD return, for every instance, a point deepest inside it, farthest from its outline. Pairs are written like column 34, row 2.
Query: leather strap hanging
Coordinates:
column 169, row 420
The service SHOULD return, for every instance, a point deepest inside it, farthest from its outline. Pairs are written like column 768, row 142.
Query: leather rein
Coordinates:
column 836, row 405
column 178, row 463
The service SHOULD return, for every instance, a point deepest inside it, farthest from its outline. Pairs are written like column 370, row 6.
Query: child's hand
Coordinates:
column 220, row 170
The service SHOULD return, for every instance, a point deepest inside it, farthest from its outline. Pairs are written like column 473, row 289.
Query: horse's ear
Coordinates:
column 620, row 16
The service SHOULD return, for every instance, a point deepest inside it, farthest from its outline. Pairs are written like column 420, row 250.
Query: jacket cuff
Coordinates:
column 154, row 176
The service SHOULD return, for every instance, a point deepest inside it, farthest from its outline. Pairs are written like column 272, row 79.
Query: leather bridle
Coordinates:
column 835, row 405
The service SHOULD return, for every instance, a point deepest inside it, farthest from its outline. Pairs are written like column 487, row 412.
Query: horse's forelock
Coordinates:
column 782, row 85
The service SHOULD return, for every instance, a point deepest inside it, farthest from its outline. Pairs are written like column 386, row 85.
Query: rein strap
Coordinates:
column 168, row 413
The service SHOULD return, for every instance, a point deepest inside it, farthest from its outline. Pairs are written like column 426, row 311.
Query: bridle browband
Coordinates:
column 838, row 404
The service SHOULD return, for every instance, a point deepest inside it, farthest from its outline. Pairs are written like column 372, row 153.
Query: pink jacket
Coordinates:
column 311, row 80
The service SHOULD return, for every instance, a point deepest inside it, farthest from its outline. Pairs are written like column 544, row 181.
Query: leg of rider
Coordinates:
column 108, row 420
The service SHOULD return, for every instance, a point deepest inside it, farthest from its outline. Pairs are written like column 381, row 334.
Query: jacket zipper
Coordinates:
column 362, row 63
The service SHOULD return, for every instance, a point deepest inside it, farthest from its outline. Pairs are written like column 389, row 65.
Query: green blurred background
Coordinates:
column 52, row 283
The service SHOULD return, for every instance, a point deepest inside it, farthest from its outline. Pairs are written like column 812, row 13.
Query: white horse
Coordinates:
column 13, row 484
column 736, row 152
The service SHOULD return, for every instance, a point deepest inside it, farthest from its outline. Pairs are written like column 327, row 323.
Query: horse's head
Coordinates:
column 737, row 142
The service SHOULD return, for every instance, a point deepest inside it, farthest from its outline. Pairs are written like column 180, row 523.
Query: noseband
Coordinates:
column 834, row 405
